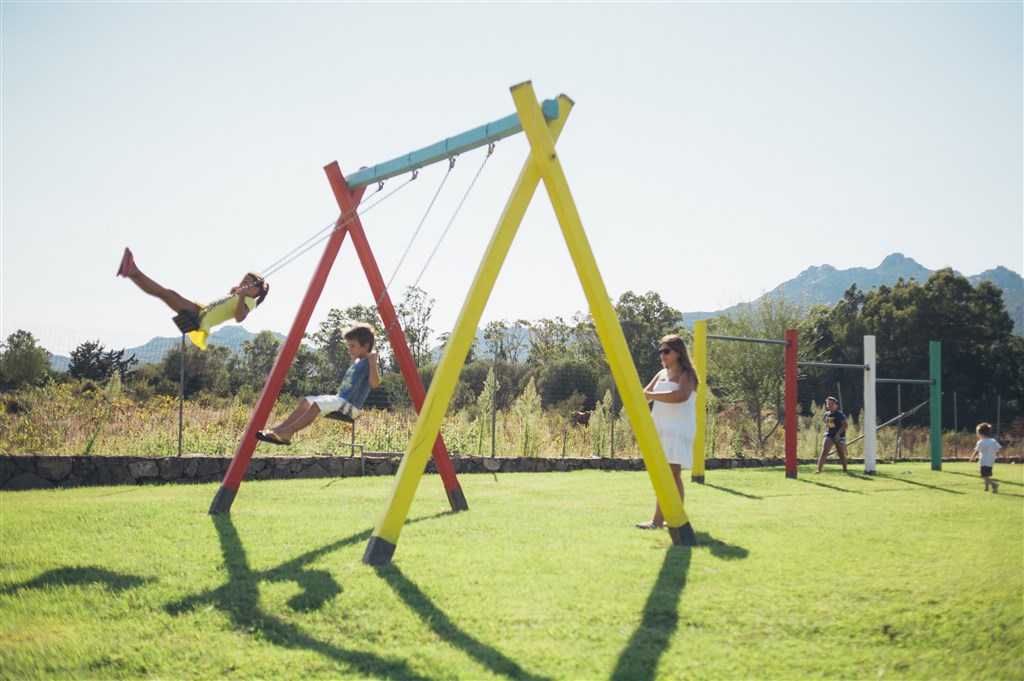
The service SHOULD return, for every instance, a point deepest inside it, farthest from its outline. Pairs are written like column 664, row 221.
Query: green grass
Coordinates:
column 909, row 574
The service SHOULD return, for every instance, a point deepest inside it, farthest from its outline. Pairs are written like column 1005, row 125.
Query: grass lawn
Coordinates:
column 909, row 574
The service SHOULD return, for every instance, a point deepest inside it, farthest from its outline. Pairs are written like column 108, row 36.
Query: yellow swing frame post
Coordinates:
column 543, row 164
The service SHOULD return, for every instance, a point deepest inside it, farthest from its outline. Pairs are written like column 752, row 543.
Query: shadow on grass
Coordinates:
column 441, row 624
column 976, row 476
column 238, row 598
column 903, row 479
column 639, row 661
column 80, row 576
column 732, row 491
column 822, row 484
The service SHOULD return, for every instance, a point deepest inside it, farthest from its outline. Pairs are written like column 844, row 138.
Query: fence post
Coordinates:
column 181, row 396
column 935, row 353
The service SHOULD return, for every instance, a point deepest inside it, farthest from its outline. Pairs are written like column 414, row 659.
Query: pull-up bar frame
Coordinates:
column 446, row 148
column 742, row 339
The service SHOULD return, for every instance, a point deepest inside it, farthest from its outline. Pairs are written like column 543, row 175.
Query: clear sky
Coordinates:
column 715, row 149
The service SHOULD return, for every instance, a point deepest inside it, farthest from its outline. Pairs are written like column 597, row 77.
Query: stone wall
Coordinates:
column 44, row 472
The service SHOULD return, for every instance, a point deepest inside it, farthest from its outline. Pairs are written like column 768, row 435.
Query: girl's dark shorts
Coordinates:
column 986, row 471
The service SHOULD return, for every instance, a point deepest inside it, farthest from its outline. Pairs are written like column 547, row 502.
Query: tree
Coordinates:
column 644, row 320
column 559, row 380
column 550, row 340
column 753, row 374
column 415, row 312
column 22, row 361
column 205, row 370
column 250, row 368
column 90, row 360
column 978, row 350
column 504, row 341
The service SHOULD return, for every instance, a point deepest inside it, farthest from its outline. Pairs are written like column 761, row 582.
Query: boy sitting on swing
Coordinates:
column 355, row 386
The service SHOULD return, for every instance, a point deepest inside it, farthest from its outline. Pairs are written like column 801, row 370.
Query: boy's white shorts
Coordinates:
column 329, row 403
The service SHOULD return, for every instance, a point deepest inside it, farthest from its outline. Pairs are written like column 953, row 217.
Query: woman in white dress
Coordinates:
column 672, row 394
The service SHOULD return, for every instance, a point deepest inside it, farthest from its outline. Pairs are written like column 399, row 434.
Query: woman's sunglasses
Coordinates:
column 664, row 351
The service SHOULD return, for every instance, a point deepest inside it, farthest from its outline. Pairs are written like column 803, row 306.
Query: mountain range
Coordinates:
column 825, row 285
column 817, row 285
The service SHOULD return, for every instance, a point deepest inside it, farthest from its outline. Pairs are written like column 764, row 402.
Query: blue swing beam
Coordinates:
column 446, row 148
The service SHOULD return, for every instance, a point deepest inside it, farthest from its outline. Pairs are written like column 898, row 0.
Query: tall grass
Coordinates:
column 910, row 574
column 65, row 419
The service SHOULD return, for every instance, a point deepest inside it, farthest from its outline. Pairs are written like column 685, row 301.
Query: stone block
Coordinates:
column 171, row 468
column 141, row 470
column 352, row 467
column 312, row 471
column 53, row 468
column 26, row 481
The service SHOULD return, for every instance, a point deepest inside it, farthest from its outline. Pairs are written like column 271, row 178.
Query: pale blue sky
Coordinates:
column 715, row 149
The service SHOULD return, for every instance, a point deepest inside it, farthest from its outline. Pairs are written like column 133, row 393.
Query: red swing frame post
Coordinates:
column 347, row 202
column 347, row 222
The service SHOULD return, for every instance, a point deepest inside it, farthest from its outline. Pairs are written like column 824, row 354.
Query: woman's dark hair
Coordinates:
column 675, row 342
column 262, row 284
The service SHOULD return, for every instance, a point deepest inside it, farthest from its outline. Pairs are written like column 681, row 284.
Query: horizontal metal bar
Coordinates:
column 894, row 419
column 922, row 381
column 766, row 341
column 832, row 365
column 446, row 148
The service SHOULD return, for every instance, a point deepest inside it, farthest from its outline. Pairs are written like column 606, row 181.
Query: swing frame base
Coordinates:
column 683, row 536
column 222, row 501
column 378, row 551
column 457, row 500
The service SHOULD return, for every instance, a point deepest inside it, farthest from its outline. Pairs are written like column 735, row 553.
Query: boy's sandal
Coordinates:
column 271, row 438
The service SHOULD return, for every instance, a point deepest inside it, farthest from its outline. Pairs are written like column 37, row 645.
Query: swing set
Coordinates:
column 542, row 124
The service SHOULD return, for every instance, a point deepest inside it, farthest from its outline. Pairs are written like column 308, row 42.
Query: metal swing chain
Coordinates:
column 340, row 222
column 444, row 233
column 408, row 247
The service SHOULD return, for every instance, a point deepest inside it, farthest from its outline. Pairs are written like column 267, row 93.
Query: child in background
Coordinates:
column 986, row 450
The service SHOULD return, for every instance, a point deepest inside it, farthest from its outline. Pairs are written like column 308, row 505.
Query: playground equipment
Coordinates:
column 541, row 132
column 869, row 437
column 700, row 352
column 348, row 194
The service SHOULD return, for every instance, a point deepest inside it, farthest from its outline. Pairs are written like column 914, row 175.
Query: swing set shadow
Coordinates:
column 660, row 619
column 238, row 598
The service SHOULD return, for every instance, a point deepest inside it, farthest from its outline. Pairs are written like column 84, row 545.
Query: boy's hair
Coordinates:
column 984, row 429
column 361, row 333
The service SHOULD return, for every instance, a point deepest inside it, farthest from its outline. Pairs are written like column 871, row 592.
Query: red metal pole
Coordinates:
column 790, row 402
column 272, row 388
column 399, row 345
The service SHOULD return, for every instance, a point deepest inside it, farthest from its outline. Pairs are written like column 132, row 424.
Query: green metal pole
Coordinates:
column 935, row 402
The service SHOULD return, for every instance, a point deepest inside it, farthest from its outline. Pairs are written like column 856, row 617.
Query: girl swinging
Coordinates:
column 244, row 298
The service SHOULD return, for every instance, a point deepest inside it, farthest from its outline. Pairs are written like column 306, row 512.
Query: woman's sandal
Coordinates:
column 649, row 525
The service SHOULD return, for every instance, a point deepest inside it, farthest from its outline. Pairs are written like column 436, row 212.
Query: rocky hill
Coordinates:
column 825, row 285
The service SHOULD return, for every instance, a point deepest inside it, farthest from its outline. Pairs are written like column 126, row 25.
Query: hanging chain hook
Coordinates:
column 451, row 162
column 490, row 148
column 415, row 173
